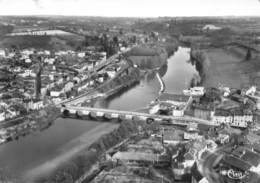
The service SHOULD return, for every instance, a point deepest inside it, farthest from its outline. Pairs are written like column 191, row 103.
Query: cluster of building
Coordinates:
column 138, row 162
column 182, row 153
column 31, row 79
column 225, row 108
column 231, row 162
column 240, row 163
column 10, row 133
column 24, row 125
column 171, row 104
column 218, row 105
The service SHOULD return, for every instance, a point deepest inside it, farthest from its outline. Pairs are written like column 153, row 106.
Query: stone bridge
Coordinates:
column 73, row 111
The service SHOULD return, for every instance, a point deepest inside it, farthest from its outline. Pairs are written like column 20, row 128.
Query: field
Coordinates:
column 229, row 68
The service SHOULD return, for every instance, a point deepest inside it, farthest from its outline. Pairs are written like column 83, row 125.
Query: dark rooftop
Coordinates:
column 248, row 155
column 236, row 162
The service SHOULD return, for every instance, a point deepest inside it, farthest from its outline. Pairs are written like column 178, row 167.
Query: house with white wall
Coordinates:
column 2, row 53
column 232, row 118
column 177, row 103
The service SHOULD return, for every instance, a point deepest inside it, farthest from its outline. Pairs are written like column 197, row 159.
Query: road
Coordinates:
column 175, row 120
column 12, row 122
column 208, row 166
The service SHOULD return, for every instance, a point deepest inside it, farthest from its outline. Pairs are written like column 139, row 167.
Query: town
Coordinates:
column 162, row 106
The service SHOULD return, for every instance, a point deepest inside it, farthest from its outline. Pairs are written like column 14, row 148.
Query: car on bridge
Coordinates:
column 150, row 120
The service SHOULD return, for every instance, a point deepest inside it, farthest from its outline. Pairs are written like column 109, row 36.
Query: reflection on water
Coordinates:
column 177, row 75
column 151, row 75
column 32, row 150
column 163, row 70
column 149, row 79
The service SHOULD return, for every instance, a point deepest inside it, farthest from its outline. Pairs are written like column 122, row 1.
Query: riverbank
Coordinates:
column 79, row 161
column 20, row 156
column 220, row 66
column 141, row 61
column 147, row 57
column 128, row 77
column 162, row 84
column 151, row 56
column 72, row 149
column 26, row 125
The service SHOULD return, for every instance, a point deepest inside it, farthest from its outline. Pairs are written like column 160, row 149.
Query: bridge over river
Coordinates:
column 74, row 111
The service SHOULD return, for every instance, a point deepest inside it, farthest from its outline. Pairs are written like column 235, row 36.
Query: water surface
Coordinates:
column 30, row 151
column 176, row 75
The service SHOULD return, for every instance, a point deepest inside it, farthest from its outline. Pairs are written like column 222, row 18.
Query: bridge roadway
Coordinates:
column 129, row 115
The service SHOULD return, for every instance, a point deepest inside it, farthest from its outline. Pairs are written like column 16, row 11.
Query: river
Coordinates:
column 33, row 151
column 176, row 75
column 66, row 136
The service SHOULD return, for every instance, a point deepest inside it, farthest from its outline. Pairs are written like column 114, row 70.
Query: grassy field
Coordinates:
column 229, row 68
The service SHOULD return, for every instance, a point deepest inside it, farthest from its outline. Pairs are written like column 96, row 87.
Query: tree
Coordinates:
column 124, row 44
column 133, row 39
column 78, row 48
column 248, row 54
column 5, row 29
column 115, row 40
column 87, row 41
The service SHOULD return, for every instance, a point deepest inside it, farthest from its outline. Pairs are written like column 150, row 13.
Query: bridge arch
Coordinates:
column 78, row 115
column 65, row 113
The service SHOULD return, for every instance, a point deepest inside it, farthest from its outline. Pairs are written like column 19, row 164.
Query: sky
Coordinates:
column 131, row 8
